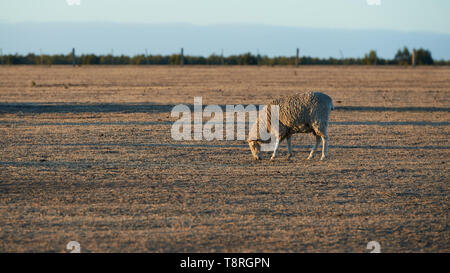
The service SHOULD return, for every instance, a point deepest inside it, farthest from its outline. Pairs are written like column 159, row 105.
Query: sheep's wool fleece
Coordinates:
column 303, row 112
column 300, row 113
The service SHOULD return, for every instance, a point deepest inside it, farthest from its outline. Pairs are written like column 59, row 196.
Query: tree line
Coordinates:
column 402, row 57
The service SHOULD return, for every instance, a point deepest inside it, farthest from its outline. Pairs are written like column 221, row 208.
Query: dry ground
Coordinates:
column 86, row 155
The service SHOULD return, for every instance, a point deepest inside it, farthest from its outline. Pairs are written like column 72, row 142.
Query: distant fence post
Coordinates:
column 182, row 57
column 74, row 61
column 146, row 56
column 257, row 57
column 1, row 56
column 413, row 58
column 222, row 61
column 296, row 56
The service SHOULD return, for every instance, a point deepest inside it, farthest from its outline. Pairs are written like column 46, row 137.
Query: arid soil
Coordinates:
column 86, row 155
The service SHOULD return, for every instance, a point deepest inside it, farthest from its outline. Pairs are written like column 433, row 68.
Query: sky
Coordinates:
column 321, row 28
column 403, row 15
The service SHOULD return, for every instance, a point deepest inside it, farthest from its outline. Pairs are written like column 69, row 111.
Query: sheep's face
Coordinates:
column 255, row 147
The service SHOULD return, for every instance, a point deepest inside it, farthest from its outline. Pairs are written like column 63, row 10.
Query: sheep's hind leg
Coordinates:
column 314, row 148
column 289, row 146
column 324, row 146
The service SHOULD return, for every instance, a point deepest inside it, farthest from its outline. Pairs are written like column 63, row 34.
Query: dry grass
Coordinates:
column 86, row 155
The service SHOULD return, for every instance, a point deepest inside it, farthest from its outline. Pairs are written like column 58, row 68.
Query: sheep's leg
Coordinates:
column 314, row 148
column 324, row 146
column 289, row 146
column 275, row 151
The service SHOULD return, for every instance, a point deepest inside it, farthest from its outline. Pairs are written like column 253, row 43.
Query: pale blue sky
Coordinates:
column 403, row 15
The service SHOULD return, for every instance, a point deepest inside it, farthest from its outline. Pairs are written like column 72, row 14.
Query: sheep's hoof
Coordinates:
column 322, row 159
column 256, row 158
column 288, row 157
column 272, row 159
column 309, row 158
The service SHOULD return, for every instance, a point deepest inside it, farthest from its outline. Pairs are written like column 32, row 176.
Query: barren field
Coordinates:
column 86, row 155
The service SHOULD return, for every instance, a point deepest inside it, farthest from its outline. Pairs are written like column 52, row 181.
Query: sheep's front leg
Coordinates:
column 289, row 146
column 275, row 151
column 324, row 146
column 314, row 147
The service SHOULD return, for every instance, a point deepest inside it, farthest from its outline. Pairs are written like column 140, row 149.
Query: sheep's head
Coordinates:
column 255, row 147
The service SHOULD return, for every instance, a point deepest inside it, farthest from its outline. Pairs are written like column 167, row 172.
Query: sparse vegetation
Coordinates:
column 402, row 57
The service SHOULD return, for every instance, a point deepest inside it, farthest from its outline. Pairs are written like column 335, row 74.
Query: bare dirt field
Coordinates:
column 86, row 155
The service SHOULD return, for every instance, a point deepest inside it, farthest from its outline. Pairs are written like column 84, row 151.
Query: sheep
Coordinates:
column 301, row 113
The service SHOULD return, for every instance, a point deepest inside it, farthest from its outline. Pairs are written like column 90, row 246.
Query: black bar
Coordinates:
column 234, row 262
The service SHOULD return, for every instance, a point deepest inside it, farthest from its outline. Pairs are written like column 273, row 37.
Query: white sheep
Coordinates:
column 301, row 113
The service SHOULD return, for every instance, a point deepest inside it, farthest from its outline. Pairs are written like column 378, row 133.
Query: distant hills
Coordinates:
column 132, row 39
